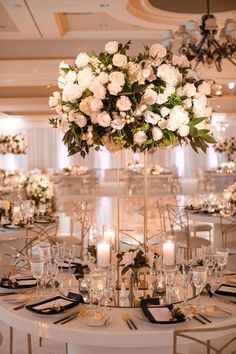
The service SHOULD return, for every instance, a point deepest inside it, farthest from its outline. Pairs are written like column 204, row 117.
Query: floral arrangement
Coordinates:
column 135, row 166
column 13, row 144
column 226, row 146
column 227, row 167
column 136, row 259
column 40, row 189
column 154, row 169
column 152, row 100
column 230, row 194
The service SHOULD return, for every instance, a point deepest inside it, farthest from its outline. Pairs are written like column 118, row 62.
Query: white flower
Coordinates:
column 119, row 60
column 189, row 90
column 140, row 138
column 169, row 90
column 71, row 76
column 111, row 47
column 84, row 105
column 135, row 73
column 71, row 92
column 123, row 103
column 150, row 96
column 104, row 120
column 156, row 133
column 114, row 88
column 151, row 117
column 199, row 105
column 117, row 77
column 80, row 120
column 157, row 50
column 84, row 77
column 62, row 66
column 177, row 117
column 183, row 130
column 187, row 103
column 94, row 117
column 103, row 77
column 95, row 104
column 205, row 88
column 180, row 60
column 118, row 123
column 82, row 60
column 54, row 99
column 163, row 123
column 164, row 111
column 169, row 74
column 61, row 82
column 97, row 88
column 161, row 98
column 64, row 126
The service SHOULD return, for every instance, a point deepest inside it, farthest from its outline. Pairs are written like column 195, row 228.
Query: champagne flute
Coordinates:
column 199, row 281
column 37, row 267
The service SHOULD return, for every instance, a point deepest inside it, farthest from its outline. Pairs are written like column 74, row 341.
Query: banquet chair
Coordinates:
column 228, row 228
column 179, row 223
column 214, row 340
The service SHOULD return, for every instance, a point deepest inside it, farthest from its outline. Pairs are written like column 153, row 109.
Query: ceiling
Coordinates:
column 36, row 35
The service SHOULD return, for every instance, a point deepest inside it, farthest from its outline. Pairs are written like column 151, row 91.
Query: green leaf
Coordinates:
column 193, row 131
column 200, row 143
column 196, row 121
column 209, row 139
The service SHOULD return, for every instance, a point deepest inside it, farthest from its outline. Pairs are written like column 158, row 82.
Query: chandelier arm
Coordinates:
column 201, row 43
column 208, row 7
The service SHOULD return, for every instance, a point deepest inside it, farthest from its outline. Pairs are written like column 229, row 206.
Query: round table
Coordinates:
column 115, row 337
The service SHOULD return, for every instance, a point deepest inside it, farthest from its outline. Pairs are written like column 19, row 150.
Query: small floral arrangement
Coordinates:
column 136, row 259
column 40, row 189
column 14, row 144
column 135, row 166
column 226, row 146
column 227, row 167
column 154, row 169
column 230, row 194
column 152, row 100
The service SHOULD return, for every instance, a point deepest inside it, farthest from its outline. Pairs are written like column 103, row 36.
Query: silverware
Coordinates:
column 126, row 317
column 6, row 294
column 65, row 318
column 69, row 319
column 199, row 320
column 205, row 318
column 20, row 306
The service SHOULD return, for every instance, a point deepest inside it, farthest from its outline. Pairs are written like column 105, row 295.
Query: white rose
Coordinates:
column 85, row 77
column 156, row 133
column 62, row 66
column 111, row 47
column 119, row 60
column 61, row 82
column 123, row 103
column 103, row 77
column 157, row 50
column 71, row 76
column 82, row 60
column 199, row 104
column 84, row 105
column 164, row 111
column 147, row 72
column 161, row 98
column 117, row 77
column 163, row 123
column 150, row 96
column 104, row 120
column 95, row 104
column 71, row 92
column 180, row 60
column 140, row 138
column 177, row 117
column 183, row 130
column 169, row 74
column 94, row 117
column 97, row 88
column 80, row 120
column 169, row 90
column 118, row 123
column 189, row 90
column 205, row 88
column 114, row 88
column 187, row 103
column 151, row 117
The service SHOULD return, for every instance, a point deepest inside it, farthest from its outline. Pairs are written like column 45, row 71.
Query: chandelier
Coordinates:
column 208, row 50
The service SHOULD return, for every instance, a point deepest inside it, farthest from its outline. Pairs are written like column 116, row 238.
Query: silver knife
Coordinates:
column 65, row 318
column 69, row 319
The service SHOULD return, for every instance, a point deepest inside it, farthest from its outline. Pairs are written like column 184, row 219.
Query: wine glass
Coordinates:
column 185, row 280
column 37, row 268
column 199, row 280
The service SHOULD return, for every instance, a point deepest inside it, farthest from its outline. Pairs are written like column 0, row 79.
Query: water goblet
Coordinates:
column 185, row 281
column 37, row 268
column 199, row 279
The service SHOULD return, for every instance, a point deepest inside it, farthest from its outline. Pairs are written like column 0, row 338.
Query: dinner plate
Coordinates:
column 140, row 316
column 23, row 285
column 215, row 312
column 52, row 306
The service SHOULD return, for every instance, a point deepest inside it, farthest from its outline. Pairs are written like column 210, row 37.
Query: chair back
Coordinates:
column 206, row 338
column 228, row 227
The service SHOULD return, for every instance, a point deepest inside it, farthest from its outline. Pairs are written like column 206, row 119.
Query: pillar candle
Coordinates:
column 168, row 250
column 103, row 254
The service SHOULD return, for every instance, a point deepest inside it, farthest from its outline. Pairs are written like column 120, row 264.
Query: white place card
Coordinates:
column 228, row 289
column 161, row 313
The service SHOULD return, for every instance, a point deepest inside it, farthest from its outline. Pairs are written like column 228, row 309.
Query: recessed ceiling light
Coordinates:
column 231, row 85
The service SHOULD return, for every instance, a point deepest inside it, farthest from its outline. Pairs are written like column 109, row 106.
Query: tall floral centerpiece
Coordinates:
column 40, row 189
column 144, row 102
column 13, row 144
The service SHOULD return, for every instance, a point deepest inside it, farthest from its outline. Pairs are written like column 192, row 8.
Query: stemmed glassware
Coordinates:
column 185, row 281
column 199, row 280
column 37, row 268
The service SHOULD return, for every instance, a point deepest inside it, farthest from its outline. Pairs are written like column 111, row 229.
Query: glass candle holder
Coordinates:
column 169, row 251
